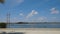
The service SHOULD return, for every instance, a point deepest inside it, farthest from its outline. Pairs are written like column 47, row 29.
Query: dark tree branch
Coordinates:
column 1, row 1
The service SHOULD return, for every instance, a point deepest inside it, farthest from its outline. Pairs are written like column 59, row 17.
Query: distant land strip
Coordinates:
column 36, row 23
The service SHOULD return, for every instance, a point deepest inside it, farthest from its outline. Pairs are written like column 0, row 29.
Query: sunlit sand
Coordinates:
column 33, row 30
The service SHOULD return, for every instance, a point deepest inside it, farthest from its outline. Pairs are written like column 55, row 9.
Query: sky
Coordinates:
column 30, row 10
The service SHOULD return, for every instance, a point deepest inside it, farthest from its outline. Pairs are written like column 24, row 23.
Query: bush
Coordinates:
column 2, row 25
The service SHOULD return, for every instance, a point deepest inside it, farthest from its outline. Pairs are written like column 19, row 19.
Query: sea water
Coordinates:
column 33, row 26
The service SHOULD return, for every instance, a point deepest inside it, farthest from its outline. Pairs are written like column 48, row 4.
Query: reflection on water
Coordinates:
column 33, row 26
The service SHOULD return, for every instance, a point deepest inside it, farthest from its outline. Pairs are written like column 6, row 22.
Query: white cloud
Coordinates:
column 42, row 19
column 21, row 14
column 32, row 14
column 54, row 11
column 38, row 19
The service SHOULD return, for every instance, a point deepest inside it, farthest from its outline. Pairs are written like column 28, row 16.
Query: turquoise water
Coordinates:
column 33, row 26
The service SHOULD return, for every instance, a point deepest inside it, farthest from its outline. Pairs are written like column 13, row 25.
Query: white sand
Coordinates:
column 33, row 30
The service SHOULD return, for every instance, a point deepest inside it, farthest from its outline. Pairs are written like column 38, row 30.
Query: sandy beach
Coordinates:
column 32, row 30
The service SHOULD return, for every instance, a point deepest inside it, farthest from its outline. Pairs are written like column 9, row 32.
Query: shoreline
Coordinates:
column 32, row 30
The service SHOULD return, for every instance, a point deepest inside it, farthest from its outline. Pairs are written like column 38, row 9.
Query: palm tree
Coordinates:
column 1, row 1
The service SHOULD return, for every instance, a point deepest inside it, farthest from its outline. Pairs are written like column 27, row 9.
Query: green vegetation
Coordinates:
column 2, row 25
column 22, row 23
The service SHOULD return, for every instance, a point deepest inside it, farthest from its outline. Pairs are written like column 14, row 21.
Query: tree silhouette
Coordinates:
column 2, row 25
column 1, row 1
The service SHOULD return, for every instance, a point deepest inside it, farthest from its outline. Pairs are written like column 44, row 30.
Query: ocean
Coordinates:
column 33, row 26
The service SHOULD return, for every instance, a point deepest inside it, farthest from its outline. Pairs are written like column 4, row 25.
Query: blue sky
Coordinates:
column 31, row 10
